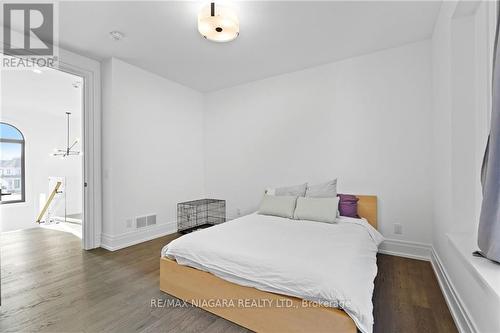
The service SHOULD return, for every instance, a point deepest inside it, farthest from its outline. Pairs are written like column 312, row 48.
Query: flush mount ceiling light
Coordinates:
column 218, row 24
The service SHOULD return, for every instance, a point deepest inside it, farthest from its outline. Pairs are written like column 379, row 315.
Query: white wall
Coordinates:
column 152, row 148
column 395, row 123
column 36, row 105
column 460, row 60
column 365, row 120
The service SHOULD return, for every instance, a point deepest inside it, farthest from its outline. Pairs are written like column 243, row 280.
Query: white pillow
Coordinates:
column 317, row 209
column 282, row 206
column 324, row 190
column 293, row 190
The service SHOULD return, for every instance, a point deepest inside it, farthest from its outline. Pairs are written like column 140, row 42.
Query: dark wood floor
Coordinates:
column 50, row 285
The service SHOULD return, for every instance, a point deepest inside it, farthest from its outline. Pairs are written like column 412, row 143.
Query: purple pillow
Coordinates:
column 348, row 205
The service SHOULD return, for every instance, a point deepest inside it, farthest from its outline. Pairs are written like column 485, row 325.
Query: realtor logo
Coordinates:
column 28, row 29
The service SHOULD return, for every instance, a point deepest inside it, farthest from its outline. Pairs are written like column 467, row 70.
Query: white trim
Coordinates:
column 458, row 311
column 407, row 249
column 113, row 243
column 90, row 71
column 484, row 271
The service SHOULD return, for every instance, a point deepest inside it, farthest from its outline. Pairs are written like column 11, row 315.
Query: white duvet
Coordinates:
column 332, row 264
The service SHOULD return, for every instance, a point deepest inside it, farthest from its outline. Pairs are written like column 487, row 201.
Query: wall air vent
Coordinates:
column 141, row 221
column 151, row 220
column 145, row 221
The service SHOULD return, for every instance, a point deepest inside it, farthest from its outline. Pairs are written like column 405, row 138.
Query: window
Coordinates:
column 12, row 178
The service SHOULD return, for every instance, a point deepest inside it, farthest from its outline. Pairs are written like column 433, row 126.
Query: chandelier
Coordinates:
column 68, row 151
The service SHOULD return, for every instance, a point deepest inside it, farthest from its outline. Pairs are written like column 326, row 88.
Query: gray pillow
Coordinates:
column 295, row 190
column 325, row 190
column 282, row 206
column 317, row 209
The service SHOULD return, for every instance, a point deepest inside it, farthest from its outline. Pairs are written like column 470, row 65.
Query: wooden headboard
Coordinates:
column 367, row 208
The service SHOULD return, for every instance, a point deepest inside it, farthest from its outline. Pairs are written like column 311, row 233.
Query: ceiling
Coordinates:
column 51, row 92
column 275, row 37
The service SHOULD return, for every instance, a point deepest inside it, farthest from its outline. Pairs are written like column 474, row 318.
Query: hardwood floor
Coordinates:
column 407, row 298
column 50, row 285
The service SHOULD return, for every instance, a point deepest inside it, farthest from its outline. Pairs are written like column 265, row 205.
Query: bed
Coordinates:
column 272, row 274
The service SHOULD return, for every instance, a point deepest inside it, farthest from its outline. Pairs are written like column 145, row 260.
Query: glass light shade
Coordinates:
column 223, row 26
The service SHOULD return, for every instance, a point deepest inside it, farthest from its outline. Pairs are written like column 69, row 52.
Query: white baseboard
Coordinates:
column 407, row 249
column 462, row 320
column 113, row 243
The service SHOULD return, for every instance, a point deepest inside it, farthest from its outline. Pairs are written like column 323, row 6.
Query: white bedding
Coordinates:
column 333, row 264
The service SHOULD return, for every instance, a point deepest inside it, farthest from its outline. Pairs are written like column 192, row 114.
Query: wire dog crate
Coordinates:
column 199, row 214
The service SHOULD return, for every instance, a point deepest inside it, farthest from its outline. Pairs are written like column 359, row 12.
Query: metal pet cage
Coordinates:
column 198, row 214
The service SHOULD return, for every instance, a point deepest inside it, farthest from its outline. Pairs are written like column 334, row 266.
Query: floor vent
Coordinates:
column 145, row 221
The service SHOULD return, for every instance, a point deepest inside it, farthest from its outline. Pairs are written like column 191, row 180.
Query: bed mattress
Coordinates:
column 331, row 264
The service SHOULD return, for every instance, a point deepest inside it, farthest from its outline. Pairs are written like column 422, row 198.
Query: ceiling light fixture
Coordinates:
column 68, row 151
column 218, row 24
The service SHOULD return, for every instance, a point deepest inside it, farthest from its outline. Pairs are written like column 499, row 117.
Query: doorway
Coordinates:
column 42, row 172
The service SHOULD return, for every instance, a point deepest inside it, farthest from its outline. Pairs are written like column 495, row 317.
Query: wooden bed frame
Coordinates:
column 277, row 313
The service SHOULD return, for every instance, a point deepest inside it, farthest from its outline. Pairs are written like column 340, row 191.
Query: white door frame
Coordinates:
column 90, row 71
